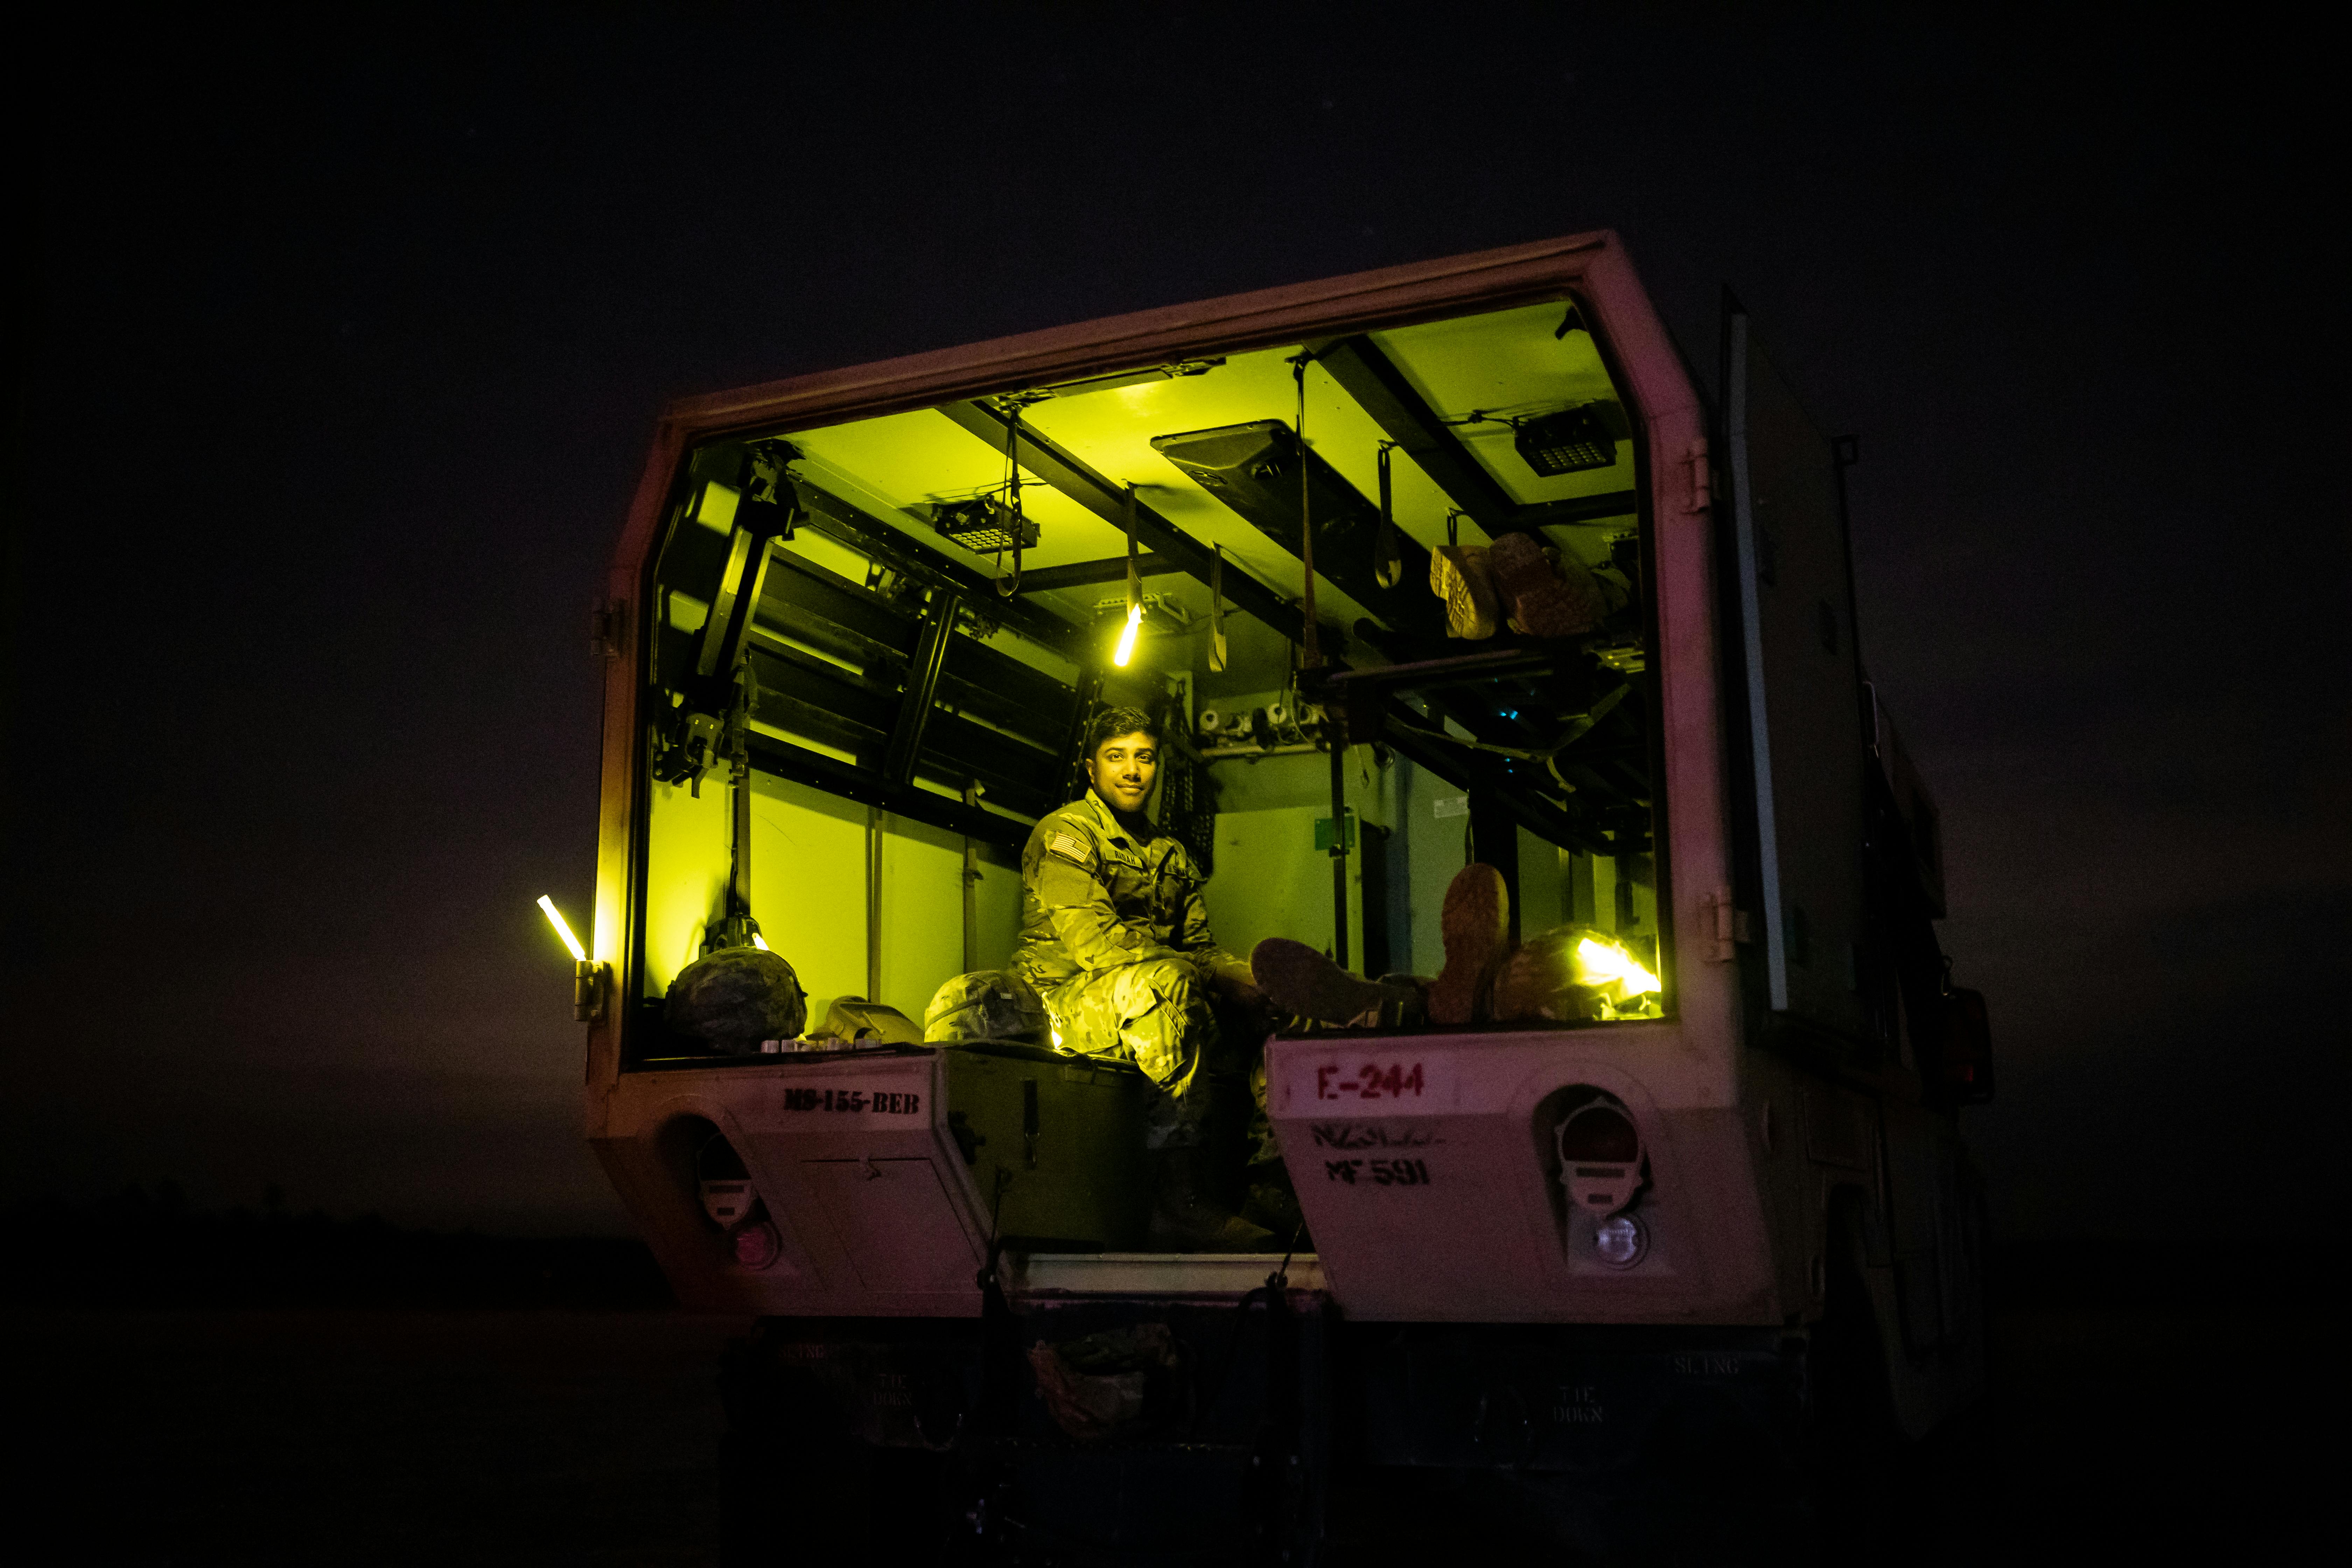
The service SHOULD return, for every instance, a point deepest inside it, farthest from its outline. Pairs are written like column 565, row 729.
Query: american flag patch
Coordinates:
column 1068, row 848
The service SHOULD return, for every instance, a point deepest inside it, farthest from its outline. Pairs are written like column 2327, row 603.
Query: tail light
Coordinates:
column 1967, row 1048
column 756, row 1246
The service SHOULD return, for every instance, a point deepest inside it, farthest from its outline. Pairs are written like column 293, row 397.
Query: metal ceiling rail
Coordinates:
column 1380, row 389
column 1063, row 471
column 868, row 787
column 849, row 525
column 1087, row 573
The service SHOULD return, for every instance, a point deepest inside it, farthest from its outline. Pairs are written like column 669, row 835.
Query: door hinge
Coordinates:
column 1724, row 927
column 608, row 628
column 1702, row 486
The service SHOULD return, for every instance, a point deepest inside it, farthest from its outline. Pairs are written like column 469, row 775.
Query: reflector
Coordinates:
column 758, row 1246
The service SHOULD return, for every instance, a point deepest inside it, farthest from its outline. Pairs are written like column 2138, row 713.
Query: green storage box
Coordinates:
column 1055, row 1143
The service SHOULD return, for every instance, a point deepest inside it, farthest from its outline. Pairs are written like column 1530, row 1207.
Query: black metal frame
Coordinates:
column 1417, row 428
column 1088, row 573
column 1381, row 390
column 1064, row 470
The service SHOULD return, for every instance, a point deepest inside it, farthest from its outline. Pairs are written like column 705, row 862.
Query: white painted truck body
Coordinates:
column 1760, row 1160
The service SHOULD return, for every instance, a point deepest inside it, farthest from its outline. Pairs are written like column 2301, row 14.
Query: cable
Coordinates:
column 1313, row 641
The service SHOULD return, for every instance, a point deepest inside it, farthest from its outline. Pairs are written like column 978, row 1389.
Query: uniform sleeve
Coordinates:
column 1200, row 943
column 1079, row 908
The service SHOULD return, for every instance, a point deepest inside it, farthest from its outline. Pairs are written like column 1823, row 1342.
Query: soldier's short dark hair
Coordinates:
column 1112, row 722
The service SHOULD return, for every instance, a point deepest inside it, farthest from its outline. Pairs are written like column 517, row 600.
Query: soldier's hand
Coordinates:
column 1245, row 996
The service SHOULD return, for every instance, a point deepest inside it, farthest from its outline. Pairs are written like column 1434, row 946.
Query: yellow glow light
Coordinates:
column 1605, row 962
column 1127, row 636
column 760, row 942
column 547, row 907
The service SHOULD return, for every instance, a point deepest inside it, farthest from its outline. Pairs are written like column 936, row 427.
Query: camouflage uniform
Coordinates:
column 1116, row 939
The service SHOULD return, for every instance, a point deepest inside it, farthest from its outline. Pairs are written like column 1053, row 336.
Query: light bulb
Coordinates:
column 1620, row 1240
column 1605, row 962
column 1126, row 638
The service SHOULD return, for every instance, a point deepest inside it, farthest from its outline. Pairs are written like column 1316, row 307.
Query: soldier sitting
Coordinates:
column 1116, row 939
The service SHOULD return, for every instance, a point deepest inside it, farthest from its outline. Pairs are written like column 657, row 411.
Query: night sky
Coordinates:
column 344, row 344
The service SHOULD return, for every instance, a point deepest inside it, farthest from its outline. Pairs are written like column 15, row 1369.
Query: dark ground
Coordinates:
column 2138, row 1416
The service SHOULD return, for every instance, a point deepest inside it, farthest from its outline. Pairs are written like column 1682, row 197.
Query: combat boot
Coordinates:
column 1475, row 927
column 1544, row 593
column 1458, row 574
column 1302, row 981
column 1185, row 1217
column 1274, row 1204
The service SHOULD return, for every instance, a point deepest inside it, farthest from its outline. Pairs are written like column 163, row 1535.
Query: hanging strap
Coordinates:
column 1217, row 611
column 1388, row 563
column 1134, row 571
column 1008, row 586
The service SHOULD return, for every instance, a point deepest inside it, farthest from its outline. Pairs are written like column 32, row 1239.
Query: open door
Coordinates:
column 1795, row 644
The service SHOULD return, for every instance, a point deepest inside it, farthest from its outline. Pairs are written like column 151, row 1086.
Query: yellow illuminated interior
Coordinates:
column 1608, row 963
column 864, row 901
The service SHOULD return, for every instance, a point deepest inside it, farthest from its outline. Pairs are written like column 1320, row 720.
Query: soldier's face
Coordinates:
column 1123, row 770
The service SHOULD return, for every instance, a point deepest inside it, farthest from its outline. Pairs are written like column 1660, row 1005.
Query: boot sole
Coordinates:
column 1302, row 981
column 1541, row 605
column 1475, row 927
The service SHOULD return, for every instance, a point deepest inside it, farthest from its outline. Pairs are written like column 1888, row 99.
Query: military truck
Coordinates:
column 1655, row 1262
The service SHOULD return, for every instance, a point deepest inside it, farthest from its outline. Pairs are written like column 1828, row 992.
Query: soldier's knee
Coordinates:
column 1172, row 980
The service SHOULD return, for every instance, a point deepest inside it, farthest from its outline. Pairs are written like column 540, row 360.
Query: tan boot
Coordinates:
column 1476, row 927
column 1545, row 598
column 1300, row 980
column 1458, row 574
column 1185, row 1218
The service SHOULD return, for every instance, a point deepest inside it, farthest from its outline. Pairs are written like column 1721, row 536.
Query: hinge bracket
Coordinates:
column 1702, row 487
column 608, row 628
column 1724, row 927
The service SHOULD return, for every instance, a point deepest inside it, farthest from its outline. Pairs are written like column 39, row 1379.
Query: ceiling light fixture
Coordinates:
column 983, row 525
column 1569, row 442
